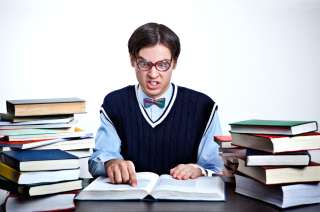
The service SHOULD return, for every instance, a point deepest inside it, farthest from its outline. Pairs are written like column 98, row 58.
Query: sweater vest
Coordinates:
column 175, row 140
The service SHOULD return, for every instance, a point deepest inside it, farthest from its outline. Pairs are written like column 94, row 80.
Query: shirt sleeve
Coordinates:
column 107, row 147
column 208, row 152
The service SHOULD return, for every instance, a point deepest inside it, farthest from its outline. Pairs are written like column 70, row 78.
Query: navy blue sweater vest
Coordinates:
column 174, row 141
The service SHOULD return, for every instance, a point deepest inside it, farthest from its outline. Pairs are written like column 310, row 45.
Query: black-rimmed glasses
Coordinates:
column 161, row 65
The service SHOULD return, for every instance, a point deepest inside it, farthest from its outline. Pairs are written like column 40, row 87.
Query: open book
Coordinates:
column 159, row 187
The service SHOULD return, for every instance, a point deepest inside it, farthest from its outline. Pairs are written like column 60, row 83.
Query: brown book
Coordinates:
column 40, row 107
column 278, row 175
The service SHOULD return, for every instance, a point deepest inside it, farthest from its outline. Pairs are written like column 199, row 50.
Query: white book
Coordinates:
column 57, row 202
column 283, row 196
column 70, row 144
column 159, row 187
column 83, row 156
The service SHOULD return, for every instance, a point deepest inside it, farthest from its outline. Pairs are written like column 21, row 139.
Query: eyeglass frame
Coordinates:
column 151, row 64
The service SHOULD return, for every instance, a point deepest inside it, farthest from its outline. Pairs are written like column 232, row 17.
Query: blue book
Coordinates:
column 37, row 189
column 40, row 160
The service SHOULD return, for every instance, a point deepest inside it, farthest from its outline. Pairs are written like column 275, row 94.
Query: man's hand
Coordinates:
column 186, row 171
column 121, row 171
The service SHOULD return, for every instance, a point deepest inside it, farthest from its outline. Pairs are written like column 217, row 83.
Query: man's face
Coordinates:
column 156, row 79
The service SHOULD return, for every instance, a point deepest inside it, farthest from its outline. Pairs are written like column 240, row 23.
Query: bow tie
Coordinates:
column 147, row 102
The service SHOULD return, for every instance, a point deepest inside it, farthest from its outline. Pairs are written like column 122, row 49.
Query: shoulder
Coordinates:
column 194, row 96
column 117, row 95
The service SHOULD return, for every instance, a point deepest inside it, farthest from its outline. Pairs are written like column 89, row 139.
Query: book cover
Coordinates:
column 279, row 175
column 28, row 177
column 283, row 196
column 38, row 160
column 10, row 145
column 39, row 107
column 277, row 143
column 37, row 189
column 261, row 158
column 281, row 127
column 46, row 119
column 224, row 141
column 58, row 202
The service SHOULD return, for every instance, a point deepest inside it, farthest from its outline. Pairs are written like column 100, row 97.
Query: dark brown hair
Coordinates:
column 151, row 34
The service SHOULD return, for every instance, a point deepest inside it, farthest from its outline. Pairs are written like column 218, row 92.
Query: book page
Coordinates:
column 202, row 188
column 146, row 181
column 102, row 188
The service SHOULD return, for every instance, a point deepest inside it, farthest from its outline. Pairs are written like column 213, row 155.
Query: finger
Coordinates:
column 110, row 175
column 117, row 175
column 124, row 172
column 175, row 171
column 132, row 175
column 186, row 175
column 172, row 171
column 179, row 172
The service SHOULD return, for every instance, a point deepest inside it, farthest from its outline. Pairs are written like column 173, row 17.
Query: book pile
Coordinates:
column 282, row 162
column 230, row 154
column 44, row 155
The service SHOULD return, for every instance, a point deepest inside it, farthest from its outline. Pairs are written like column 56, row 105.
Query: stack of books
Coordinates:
column 230, row 154
column 28, row 174
column 46, row 124
column 43, row 151
column 281, row 165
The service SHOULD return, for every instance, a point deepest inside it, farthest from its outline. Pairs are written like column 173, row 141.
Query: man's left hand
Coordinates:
column 186, row 171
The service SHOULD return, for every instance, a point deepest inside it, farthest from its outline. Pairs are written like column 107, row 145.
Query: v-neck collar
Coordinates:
column 166, row 111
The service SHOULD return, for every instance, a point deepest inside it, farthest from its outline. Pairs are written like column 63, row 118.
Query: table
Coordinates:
column 235, row 203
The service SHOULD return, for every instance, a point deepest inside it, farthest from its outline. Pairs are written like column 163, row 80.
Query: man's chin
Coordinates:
column 153, row 93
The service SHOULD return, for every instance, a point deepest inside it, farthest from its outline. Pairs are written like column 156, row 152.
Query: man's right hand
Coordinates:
column 121, row 171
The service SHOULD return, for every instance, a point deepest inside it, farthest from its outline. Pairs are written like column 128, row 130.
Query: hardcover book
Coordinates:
column 260, row 158
column 158, row 187
column 33, row 177
column 40, row 107
column 277, row 127
column 58, row 202
column 38, row 189
column 40, row 160
column 283, row 196
column 277, row 143
column 278, row 175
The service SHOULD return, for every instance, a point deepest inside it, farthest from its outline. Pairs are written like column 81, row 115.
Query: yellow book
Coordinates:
column 9, row 173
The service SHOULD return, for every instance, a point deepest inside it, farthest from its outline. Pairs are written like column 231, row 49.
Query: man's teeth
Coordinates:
column 153, row 83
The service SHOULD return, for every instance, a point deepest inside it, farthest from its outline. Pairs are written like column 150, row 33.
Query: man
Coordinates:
column 156, row 125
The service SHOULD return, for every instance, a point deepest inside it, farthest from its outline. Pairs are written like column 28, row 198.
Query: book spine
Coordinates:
column 10, row 108
column 9, row 173
column 10, row 161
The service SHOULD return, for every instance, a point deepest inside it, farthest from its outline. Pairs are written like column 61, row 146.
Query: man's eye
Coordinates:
column 142, row 63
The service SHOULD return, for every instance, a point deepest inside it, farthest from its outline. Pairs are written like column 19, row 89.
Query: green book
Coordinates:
column 277, row 127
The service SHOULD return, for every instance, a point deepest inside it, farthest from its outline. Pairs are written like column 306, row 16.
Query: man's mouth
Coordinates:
column 153, row 84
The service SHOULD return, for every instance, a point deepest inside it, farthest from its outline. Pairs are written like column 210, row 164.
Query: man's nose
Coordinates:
column 153, row 72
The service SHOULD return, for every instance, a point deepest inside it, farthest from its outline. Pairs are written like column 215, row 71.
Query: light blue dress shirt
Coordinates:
column 108, row 142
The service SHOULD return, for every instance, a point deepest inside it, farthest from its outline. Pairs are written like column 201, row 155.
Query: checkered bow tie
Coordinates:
column 147, row 102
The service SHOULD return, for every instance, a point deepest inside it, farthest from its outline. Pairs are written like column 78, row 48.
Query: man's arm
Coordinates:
column 208, row 152
column 209, row 161
column 106, row 159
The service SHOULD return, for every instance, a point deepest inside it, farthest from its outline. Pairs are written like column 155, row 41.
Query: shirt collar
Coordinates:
column 167, row 94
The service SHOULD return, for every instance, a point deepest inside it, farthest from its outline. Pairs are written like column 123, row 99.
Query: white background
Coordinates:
column 256, row 59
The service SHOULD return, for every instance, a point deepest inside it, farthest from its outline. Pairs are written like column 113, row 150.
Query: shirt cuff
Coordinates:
column 206, row 172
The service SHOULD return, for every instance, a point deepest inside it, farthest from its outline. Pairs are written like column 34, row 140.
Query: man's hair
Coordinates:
column 151, row 34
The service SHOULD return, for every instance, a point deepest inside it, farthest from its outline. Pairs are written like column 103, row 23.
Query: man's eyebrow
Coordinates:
column 139, row 57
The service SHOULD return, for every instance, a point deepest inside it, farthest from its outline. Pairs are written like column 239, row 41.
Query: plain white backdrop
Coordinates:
column 255, row 58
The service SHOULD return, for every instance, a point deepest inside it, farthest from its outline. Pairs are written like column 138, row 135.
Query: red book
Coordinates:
column 224, row 141
column 277, row 143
